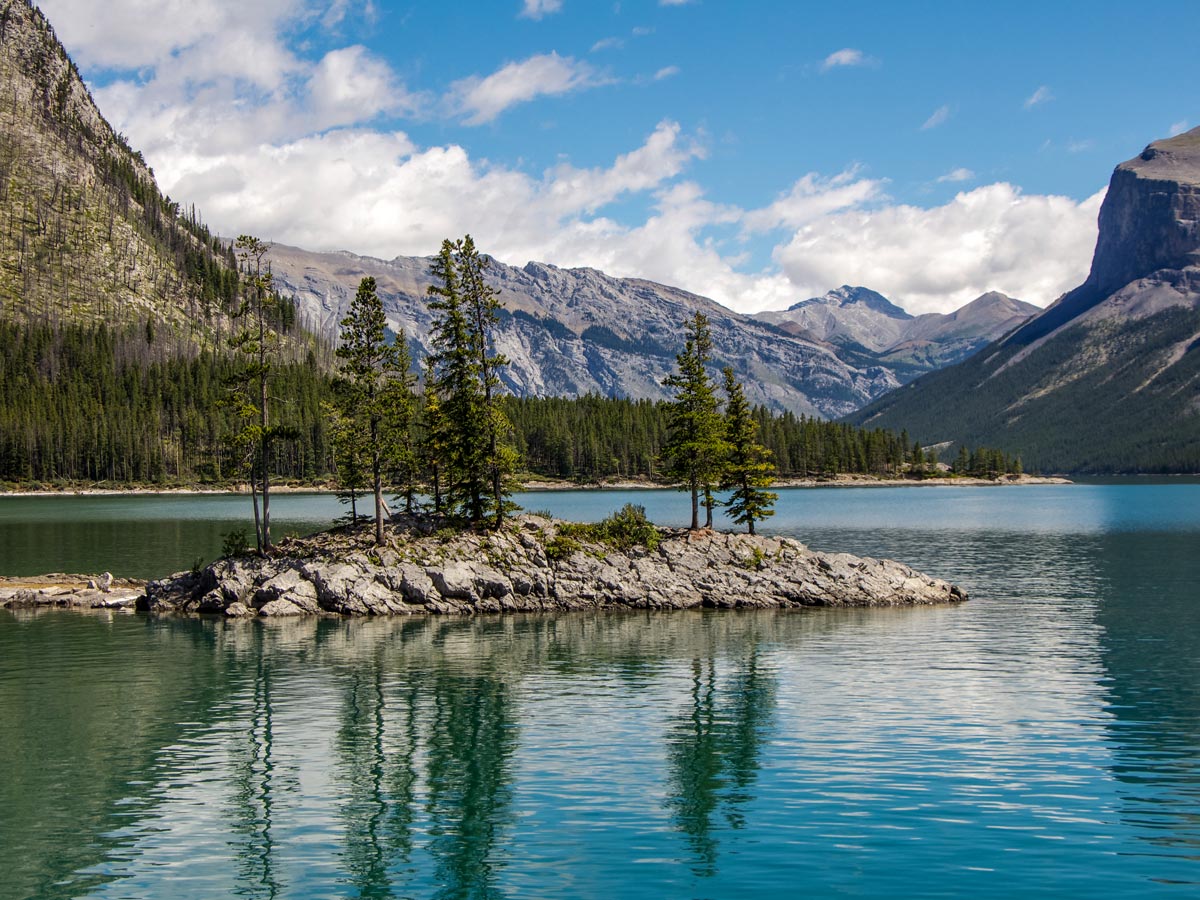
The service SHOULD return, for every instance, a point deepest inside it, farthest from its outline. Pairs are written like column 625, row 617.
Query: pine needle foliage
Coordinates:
column 695, row 448
column 748, row 468
column 475, row 434
column 375, row 388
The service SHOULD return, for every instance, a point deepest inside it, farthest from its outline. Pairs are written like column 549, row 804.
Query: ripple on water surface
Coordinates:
column 1040, row 740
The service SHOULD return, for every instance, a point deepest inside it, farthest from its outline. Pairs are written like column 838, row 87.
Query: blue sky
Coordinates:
column 756, row 152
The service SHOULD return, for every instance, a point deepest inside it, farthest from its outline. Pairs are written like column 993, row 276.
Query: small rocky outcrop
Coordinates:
column 76, row 591
column 536, row 564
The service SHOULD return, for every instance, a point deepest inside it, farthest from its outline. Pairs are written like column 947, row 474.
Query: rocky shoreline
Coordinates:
column 75, row 591
column 535, row 564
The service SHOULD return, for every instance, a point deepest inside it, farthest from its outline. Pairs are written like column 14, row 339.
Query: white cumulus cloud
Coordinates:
column 349, row 85
column 813, row 197
column 481, row 100
column 1034, row 247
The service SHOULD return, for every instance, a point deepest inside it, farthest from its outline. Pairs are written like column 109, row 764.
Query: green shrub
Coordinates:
column 625, row 529
column 561, row 546
column 628, row 527
column 755, row 560
column 236, row 543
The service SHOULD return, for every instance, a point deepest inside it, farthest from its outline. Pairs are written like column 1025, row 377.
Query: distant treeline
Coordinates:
column 93, row 403
column 599, row 437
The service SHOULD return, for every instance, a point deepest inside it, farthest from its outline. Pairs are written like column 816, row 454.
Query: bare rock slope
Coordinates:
column 569, row 332
column 866, row 326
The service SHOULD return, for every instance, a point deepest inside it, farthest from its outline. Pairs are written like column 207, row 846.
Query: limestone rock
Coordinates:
column 509, row 571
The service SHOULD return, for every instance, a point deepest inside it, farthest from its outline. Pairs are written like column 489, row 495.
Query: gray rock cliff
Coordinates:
column 1105, row 379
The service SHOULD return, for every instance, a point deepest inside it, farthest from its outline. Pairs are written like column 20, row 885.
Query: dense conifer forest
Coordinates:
column 124, row 405
column 90, row 403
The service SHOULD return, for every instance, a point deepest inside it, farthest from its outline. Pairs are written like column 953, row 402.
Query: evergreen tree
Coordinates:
column 962, row 463
column 695, row 446
column 434, row 443
column 748, row 469
column 375, row 384
column 349, row 459
column 478, row 461
column 457, row 385
column 259, row 343
column 482, row 305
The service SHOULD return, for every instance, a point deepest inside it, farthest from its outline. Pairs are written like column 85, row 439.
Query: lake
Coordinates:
column 1041, row 740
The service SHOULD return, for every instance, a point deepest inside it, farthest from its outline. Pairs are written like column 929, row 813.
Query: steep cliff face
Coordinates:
column 1149, row 223
column 1150, row 219
column 568, row 332
column 1107, row 378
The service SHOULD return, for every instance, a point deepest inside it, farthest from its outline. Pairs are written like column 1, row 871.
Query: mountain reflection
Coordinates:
column 714, row 748
column 1150, row 648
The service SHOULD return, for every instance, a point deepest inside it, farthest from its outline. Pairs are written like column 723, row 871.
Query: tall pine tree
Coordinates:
column 483, row 305
column 695, row 446
column 249, row 388
column 375, row 385
column 349, row 459
column 478, row 459
column 748, row 468
column 457, row 384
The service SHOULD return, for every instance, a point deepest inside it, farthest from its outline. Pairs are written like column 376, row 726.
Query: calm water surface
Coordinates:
column 1041, row 740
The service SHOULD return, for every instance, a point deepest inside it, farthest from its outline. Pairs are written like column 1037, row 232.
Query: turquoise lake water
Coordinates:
column 1041, row 740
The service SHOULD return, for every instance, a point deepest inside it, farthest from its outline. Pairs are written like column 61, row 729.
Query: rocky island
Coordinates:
column 536, row 564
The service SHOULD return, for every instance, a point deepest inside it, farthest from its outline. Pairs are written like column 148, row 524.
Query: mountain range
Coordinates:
column 88, row 237
column 1106, row 378
column 569, row 332
column 864, row 324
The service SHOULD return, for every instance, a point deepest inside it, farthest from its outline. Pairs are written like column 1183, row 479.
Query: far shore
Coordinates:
column 546, row 485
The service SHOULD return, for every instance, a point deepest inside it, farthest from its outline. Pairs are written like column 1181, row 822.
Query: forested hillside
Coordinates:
column 91, row 404
column 85, row 233
column 96, row 404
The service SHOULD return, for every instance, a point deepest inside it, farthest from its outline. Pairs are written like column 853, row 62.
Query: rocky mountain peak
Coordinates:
column 995, row 304
column 848, row 296
column 1149, row 223
column 1150, row 218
